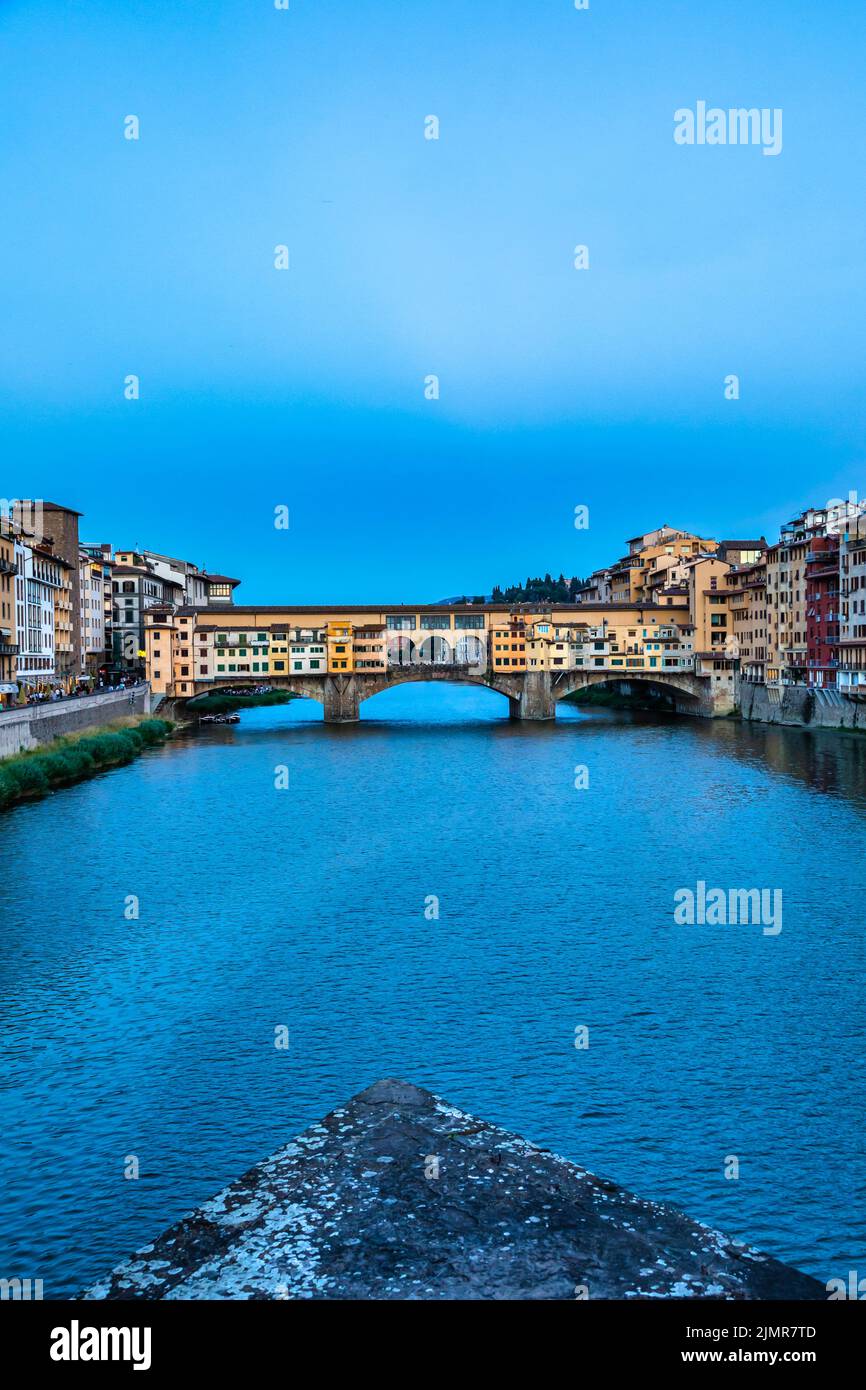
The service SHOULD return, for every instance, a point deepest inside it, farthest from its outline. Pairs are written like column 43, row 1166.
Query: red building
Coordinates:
column 822, row 610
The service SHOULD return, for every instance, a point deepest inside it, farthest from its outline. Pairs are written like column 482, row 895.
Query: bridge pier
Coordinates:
column 341, row 700
column 535, row 700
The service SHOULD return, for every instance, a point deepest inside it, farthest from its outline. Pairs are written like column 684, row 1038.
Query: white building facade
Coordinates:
column 38, row 577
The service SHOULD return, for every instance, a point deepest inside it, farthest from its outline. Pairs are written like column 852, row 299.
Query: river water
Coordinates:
column 311, row 907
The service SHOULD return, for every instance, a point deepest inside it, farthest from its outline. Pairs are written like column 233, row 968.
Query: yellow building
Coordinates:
column 369, row 647
column 787, row 649
column 715, row 651
column 340, row 647
column 655, row 560
column 159, row 648
column 747, row 602
column 508, row 643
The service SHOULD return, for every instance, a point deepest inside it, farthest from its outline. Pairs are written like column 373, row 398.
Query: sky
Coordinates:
column 409, row 258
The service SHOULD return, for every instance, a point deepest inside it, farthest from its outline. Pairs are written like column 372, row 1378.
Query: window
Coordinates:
column 435, row 620
column 314, row 665
column 397, row 623
column 297, row 665
column 468, row 620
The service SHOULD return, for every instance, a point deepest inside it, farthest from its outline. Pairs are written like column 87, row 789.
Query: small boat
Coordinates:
column 219, row 719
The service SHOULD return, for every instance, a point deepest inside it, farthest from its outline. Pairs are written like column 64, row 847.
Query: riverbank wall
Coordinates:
column 799, row 707
column 22, row 730
column 398, row 1195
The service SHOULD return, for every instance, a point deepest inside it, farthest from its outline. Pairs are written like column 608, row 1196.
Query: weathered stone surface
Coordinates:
column 800, row 706
column 352, row 1209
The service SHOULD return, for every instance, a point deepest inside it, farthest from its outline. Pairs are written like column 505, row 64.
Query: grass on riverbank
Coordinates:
column 228, row 704
column 76, row 756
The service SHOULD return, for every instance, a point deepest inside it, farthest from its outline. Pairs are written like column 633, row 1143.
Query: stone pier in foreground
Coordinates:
column 398, row 1195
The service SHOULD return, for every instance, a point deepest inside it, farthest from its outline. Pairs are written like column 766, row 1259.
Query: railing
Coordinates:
column 477, row 667
column 92, row 698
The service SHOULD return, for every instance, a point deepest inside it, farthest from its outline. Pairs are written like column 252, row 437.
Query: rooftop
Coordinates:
column 240, row 610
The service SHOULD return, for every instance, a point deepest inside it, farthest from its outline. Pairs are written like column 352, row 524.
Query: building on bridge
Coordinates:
column 342, row 656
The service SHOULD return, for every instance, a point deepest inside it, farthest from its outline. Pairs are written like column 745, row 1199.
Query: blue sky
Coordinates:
column 409, row 257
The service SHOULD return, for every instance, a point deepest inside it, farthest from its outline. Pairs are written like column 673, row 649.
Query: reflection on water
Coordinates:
column 305, row 907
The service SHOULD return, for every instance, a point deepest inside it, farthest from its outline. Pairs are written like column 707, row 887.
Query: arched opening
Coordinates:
column 469, row 651
column 436, row 702
column 628, row 693
column 435, row 651
column 286, row 703
column 402, row 652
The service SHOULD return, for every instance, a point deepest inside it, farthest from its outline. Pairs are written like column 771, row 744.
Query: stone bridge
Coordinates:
column 531, row 694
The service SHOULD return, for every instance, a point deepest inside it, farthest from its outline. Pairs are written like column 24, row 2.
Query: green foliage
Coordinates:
column 72, row 758
column 154, row 730
column 546, row 590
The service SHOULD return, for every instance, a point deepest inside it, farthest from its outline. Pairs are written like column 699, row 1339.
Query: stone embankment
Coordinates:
column 800, row 707
column 24, row 729
column 398, row 1195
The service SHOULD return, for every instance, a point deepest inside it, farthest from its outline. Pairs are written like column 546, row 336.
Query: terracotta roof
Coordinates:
column 242, row 610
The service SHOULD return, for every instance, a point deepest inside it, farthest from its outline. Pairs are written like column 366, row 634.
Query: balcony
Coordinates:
column 8, row 649
column 7, row 567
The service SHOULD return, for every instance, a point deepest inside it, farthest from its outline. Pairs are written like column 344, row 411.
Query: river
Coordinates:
column 311, row 907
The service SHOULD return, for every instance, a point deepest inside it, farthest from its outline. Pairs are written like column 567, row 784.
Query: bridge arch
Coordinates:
column 679, row 686
column 432, row 675
column 298, row 689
